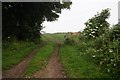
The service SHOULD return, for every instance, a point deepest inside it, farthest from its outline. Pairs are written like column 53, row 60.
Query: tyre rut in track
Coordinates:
column 54, row 68
column 18, row 70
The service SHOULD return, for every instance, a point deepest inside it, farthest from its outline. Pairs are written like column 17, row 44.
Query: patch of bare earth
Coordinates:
column 54, row 68
column 17, row 71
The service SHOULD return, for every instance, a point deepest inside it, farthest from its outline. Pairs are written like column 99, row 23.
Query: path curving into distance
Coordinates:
column 54, row 67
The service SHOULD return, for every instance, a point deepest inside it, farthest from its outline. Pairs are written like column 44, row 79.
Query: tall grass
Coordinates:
column 77, row 65
column 15, row 51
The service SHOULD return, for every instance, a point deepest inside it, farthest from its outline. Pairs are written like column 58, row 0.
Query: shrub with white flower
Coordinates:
column 96, row 25
column 93, row 56
column 103, row 43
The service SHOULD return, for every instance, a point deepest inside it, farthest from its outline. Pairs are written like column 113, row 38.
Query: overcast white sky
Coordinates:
column 81, row 10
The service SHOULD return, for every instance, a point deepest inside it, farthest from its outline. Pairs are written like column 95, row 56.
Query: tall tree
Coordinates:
column 24, row 19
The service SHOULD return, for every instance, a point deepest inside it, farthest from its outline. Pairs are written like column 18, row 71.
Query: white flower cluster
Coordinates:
column 111, row 59
column 93, row 32
column 9, row 6
column 100, row 24
column 108, row 70
column 96, row 27
column 110, row 50
column 92, row 35
column 93, row 56
column 91, row 29
column 8, row 37
column 114, row 64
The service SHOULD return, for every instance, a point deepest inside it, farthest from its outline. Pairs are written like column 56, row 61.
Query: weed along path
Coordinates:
column 17, row 71
column 54, row 68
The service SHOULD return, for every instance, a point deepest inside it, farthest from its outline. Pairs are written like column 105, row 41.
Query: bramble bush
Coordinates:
column 102, row 43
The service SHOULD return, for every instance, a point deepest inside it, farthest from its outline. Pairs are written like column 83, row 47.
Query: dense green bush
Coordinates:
column 102, row 44
column 115, row 32
column 97, row 25
column 69, row 41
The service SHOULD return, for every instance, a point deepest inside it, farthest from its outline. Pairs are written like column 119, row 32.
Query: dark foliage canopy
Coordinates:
column 23, row 20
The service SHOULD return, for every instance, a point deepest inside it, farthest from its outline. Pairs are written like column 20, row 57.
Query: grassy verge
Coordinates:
column 15, row 51
column 77, row 65
column 39, row 60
